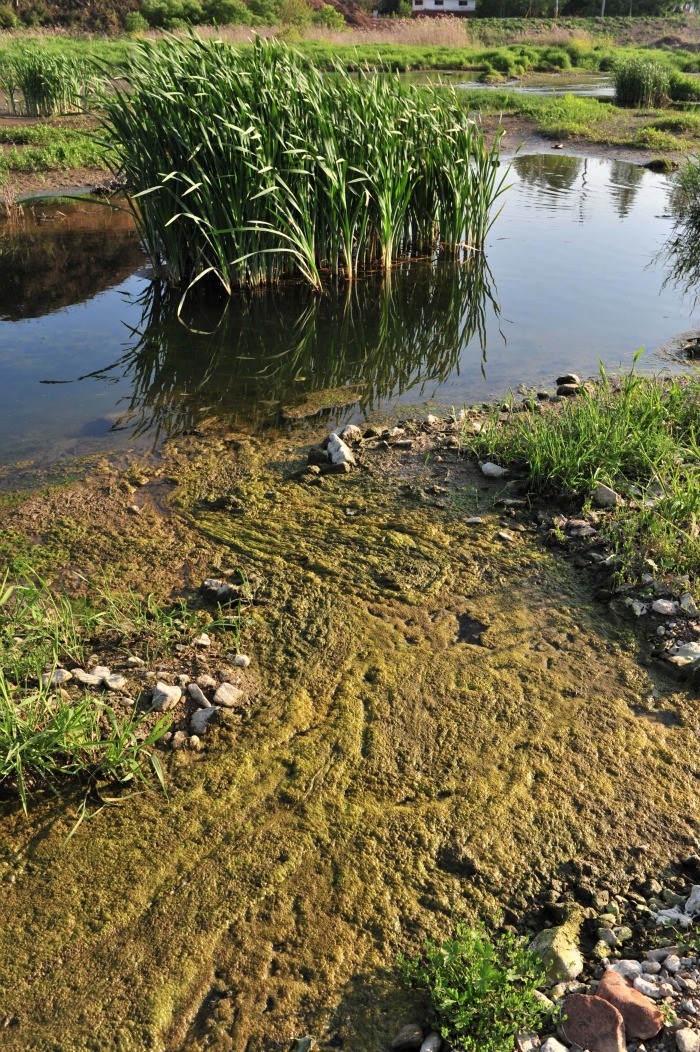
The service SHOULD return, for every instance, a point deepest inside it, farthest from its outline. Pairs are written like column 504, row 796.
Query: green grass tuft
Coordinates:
column 643, row 432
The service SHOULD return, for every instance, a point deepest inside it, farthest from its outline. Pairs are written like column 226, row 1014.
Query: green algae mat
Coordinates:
column 439, row 724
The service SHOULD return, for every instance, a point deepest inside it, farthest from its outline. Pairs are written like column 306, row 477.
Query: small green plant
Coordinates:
column 481, row 988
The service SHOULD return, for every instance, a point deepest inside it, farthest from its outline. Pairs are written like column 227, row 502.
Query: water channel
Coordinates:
column 94, row 358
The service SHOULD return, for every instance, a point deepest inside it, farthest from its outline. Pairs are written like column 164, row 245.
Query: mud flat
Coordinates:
column 440, row 722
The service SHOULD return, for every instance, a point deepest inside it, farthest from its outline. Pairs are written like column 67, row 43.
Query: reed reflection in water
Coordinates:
column 261, row 352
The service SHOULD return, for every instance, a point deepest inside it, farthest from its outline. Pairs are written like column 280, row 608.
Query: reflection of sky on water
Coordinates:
column 575, row 271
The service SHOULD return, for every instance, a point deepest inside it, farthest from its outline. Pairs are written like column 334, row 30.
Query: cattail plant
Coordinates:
column 252, row 167
column 37, row 83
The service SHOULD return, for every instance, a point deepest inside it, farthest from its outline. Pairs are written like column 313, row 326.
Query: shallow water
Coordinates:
column 92, row 358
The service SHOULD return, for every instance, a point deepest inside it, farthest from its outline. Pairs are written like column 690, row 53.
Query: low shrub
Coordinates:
column 8, row 19
column 481, row 989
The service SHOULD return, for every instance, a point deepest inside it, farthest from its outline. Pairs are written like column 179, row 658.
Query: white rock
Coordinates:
column 637, row 608
column 506, row 536
column 135, row 662
column 605, row 497
column 627, row 969
column 202, row 640
column 178, row 740
column 651, row 967
column 688, row 605
column 432, row 1043
column 688, row 651
column 665, row 606
column 491, row 470
column 86, row 679
column 661, row 953
column 552, row 1045
column 644, row 986
column 199, row 720
column 101, row 671
column 338, row 451
column 114, row 682
column 57, row 678
column 198, row 696
column 228, row 695
column 241, row 661
column 165, row 696
column 351, row 433
column 692, row 905
column 672, row 963
column 475, row 520
column 431, row 421
column 688, row 1041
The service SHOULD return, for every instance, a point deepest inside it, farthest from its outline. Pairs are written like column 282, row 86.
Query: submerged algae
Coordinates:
column 390, row 777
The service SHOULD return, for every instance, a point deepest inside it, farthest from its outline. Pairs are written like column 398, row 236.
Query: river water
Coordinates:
column 93, row 358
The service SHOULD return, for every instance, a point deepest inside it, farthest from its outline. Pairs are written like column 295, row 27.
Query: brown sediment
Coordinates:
column 390, row 778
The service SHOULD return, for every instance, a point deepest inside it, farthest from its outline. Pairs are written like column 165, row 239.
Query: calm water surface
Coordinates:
column 91, row 357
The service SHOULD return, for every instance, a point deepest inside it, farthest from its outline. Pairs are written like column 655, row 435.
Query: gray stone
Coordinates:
column 339, row 452
column 135, row 662
column 206, row 681
column 662, row 952
column 558, row 950
column 491, row 470
column 165, row 696
column 241, row 661
column 432, row 1043
column 665, row 606
column 114, row 682
column 199, row 720
column 525, row 1041
column 198, row 696
column 688, row 605
column 568, row 390
column 651, row 967
column 351, row 433
column 178, row 740
column 202, row 640
column 409, row 1036
column 646, row 987
column 605, row 497
column 688, row 1041
column 101, row 671
column 57, row 678
column 672, row 963
column 506, row 536
column 552, row 1045
column 568, row 378
column 627, row 969
column 228, row 695
column 86, row 679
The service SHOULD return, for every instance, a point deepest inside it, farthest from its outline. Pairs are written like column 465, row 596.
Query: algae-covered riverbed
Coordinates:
column 438, row 724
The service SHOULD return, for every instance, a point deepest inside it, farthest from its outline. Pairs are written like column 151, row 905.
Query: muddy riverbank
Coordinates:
column 439, row 724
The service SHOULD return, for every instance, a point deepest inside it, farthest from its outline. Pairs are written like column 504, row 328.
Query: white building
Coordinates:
column 432, row 8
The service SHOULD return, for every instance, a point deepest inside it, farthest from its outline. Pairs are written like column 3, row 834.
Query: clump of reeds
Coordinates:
column 253, row 167
column 38, row 83
column 640, row 82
